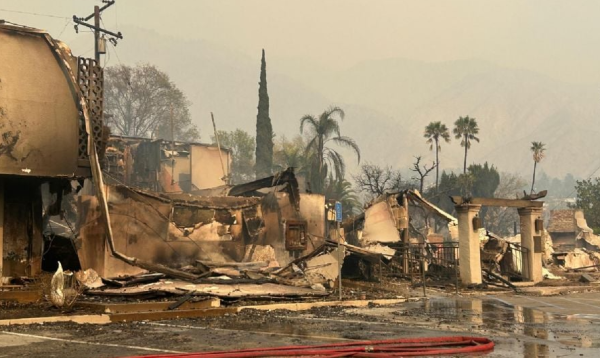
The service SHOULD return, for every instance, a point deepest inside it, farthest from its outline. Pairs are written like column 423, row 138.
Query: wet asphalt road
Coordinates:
column 521, row 326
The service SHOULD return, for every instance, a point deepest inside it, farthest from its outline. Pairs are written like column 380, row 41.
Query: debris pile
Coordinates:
column 575, row 246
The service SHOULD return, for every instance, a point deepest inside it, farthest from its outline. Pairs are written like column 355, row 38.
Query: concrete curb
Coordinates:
column 81, row 319
column 554, row 291
column 193, row 313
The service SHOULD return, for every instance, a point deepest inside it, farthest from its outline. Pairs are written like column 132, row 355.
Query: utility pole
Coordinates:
column 225, row 177
column 96, row 33
column 97, row 29
column 172, row 146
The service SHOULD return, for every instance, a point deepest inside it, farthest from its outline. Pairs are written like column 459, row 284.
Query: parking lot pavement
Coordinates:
column 559, row 326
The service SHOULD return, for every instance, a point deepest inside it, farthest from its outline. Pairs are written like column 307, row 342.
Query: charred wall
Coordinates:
column 176, row 230
column 278, row 212
column 22, row 227
column 39, row 113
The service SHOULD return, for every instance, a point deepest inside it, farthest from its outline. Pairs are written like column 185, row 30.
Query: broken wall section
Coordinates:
column 386, row 218
column 290, row 232
column 177, row 229
column 165, row 167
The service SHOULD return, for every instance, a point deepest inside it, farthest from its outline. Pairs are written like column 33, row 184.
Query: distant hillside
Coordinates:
column 389, row 102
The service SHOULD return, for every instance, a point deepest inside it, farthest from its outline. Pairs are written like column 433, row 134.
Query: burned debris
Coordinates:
column 96, row 219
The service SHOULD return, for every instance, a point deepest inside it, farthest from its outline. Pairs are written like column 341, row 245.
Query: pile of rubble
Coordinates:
column 576, row 247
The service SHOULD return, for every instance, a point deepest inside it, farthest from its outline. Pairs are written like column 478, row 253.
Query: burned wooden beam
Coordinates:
column 181, row 301
column 501, row 279
column 163, row 315
column 149, row 278
column 131, row 281
column 21, row 296
column 287, row 178
column 534, row 196
column 211, row 202
column 498, row 202
column 236, row 265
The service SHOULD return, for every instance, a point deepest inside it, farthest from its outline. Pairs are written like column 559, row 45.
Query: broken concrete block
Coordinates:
column 578, row 259
column 586, row 278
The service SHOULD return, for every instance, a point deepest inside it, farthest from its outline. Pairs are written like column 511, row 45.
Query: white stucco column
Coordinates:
column 468, row 245
column 532, row 261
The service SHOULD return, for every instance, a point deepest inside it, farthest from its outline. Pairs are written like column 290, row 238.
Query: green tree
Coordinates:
column 264, row 129
column 588, row 199
column 140, row 102
column 538, row 149
column 484, row 182
column 241, row 144
column 479, row 181
column 466, row 129
column 434, row 132
column 290, row 153
column 324, row 130
column 450, row 185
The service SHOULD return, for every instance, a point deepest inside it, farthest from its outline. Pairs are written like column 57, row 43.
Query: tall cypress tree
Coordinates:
column 264, row 129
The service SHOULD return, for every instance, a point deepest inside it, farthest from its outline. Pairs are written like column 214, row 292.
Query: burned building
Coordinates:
column 392, row 217
column 569, row 230
column 42, row 90
column 164, row 203
column 165, row 166
column 266, row 220
column 563, row 229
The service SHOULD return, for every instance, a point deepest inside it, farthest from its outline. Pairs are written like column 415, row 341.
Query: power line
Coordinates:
column 35, row 14
column 118, row 58
column 64, row 28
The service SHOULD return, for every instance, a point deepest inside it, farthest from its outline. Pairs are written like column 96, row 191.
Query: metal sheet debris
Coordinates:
column 178, row 288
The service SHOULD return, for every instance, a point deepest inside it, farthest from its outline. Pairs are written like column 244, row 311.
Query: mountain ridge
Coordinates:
column 388, row 103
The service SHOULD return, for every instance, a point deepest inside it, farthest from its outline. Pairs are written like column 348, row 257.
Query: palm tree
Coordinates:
column 325, row 130
column 341, row 190
column 290, row 153
column 434, row 132
column 465, row 129
column 538, row 149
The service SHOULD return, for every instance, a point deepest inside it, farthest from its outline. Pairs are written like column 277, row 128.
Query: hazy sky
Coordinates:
column 558, row 38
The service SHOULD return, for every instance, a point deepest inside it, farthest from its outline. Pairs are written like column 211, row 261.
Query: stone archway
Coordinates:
column 468, row 237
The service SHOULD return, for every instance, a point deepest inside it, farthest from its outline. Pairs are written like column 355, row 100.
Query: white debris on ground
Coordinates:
column 549, row 275
column 57, row 285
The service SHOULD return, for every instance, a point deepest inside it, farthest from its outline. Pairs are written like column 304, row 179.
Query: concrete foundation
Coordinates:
column 468, row 243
